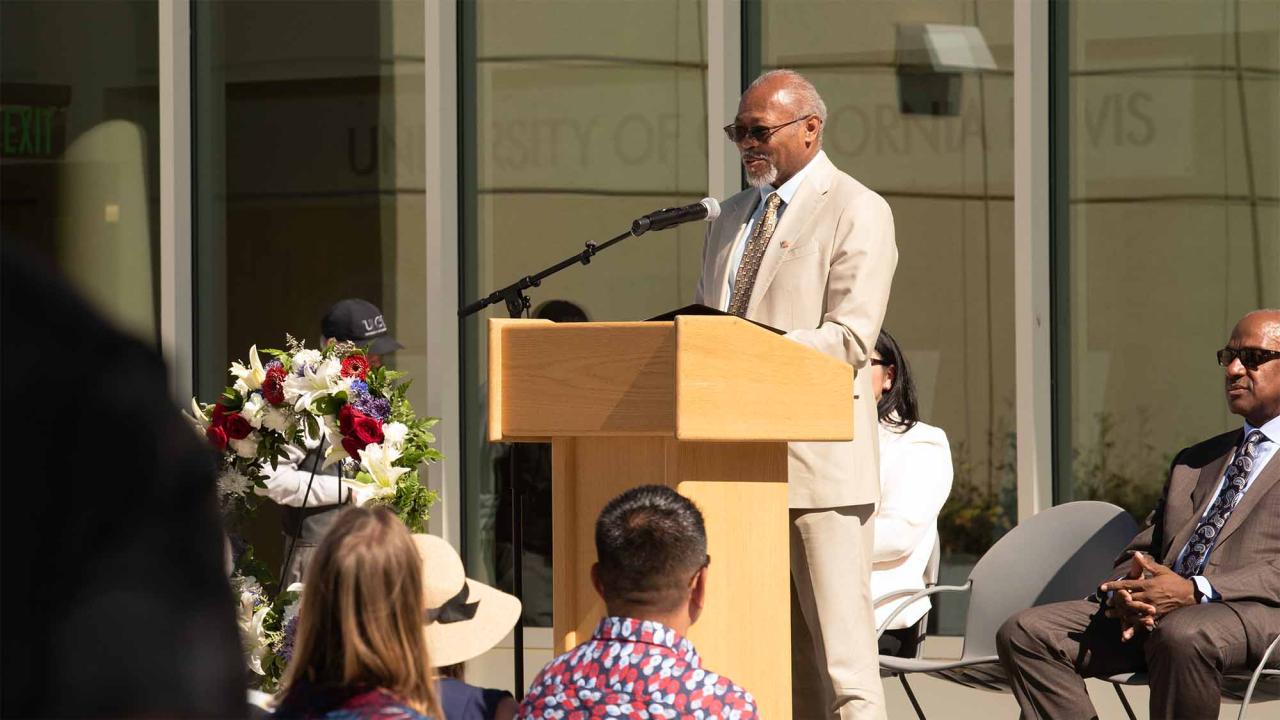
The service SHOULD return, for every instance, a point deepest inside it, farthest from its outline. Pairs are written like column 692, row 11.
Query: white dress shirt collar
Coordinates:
column 791, row 186
column 1270, row 428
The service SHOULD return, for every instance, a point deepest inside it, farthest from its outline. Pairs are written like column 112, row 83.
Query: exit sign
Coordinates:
column 33, row 120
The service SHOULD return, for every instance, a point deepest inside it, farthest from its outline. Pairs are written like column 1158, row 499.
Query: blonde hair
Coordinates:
column 362, row 616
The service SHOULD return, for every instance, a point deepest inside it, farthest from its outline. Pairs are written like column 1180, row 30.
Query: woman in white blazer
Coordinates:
column 915, row 479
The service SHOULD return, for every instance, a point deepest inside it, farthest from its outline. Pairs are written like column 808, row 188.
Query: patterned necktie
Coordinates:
column 750, row 264
column 1233, row 483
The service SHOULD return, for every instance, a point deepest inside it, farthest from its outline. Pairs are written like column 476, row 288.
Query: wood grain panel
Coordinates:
column 735, row 381
column 745, row 630
column 587, row 379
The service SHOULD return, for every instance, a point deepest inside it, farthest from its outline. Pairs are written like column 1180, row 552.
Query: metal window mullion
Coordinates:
column 724, row 83
column 441, row 293
column 1031, row 205
column 176, row 287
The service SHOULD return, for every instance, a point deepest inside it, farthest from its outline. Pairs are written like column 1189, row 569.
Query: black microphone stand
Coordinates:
column 518, row 305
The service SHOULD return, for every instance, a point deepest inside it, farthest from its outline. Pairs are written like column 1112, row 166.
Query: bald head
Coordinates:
column 786, row 115
column 1254, row 392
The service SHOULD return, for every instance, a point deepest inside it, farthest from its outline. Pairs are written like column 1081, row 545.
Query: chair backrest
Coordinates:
column 935, row 562
column 930, row 578
column 1059, row 554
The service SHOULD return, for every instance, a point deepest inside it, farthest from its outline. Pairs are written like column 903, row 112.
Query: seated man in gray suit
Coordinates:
column 1197, row 593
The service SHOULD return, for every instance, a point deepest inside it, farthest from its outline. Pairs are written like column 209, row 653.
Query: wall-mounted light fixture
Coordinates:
column 931, row 60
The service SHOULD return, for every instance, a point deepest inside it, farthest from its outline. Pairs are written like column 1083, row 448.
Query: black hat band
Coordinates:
column 455, row 609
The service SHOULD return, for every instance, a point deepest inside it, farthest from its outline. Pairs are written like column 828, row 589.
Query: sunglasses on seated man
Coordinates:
column 1249, row 357
column 759, row 133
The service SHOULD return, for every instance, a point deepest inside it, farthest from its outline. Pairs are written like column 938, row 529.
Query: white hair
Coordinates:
column 806, row 95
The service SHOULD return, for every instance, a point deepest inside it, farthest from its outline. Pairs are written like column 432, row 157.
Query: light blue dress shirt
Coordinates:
column 1266, row 451
column 785, row 193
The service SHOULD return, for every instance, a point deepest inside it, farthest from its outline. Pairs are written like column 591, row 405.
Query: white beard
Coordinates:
column 767, row 177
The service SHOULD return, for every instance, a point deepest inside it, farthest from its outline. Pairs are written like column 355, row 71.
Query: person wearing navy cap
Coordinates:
column 361, row 322
column 311, row 496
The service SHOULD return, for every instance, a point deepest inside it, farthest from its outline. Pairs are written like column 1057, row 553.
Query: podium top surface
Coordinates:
column 699, row 378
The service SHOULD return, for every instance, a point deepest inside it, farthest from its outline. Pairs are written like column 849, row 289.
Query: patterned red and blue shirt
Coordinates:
column 634, row 669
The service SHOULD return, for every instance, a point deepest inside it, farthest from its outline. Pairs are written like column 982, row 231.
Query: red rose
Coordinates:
column 346, row 418
column 273, row 385
column 367, row 430
column 217, row 436
column 237, row 427
column 219, row 415
column 355, row 366
column 352, row 446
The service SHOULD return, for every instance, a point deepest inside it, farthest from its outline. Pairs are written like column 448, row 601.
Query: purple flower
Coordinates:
column 375, row 407
column 273, row 364
column 368, row 403
column 286, row 644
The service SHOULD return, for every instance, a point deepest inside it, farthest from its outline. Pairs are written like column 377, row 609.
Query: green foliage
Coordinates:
column 979, row 510
column 249, row 565
column 231, row 400
column 412, row 502
column 280, row 355
column 1129, row 474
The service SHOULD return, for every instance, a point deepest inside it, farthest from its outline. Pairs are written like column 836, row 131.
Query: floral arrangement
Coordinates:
column 267, row 628
column 329, row 400
column 330, row 397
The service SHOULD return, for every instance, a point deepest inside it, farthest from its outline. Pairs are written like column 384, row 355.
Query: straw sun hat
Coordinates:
column 464, row 617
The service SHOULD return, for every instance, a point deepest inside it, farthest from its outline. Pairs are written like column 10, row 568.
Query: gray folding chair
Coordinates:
column 1235, row 686
column 1059, row 554
column 921, row 627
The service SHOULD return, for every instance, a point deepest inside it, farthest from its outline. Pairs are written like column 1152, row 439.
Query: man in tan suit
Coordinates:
column 1197, row 593
column 810, row 250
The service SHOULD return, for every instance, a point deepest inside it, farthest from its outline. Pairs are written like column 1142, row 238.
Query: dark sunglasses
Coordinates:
column 882, row 362
column 759, row 133
column 1249, row 357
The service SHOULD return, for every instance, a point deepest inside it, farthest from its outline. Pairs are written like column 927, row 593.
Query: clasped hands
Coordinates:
column 1147, row 593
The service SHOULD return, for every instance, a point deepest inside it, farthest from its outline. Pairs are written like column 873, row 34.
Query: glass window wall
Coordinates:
column 1173, row 175
column 79, row 149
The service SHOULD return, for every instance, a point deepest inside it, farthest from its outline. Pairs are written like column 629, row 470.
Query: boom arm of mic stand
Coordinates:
column 513, row 295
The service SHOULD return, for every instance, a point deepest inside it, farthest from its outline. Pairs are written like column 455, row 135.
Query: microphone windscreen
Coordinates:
column 713, row 208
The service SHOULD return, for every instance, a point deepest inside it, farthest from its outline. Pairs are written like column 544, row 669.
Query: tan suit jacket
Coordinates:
column 825, row 279
column 1244, row 565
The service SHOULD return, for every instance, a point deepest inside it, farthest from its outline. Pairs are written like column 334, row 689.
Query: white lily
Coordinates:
column 251, row 615
column 315, row 381
column 378, row 461
column 197, row 417
column 333, row 451
column 249, row 378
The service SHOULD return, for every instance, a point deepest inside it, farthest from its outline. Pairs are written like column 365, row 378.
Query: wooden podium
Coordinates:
column 703, row 404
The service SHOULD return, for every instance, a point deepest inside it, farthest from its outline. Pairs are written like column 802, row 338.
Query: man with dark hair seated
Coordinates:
column 651, row 547
column 1197, row 593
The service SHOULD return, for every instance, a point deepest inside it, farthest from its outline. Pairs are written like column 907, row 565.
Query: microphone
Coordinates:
column 706, row 209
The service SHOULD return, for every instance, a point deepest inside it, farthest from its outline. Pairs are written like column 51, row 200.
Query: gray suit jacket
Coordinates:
column 1244, row 565
column 825, row 279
